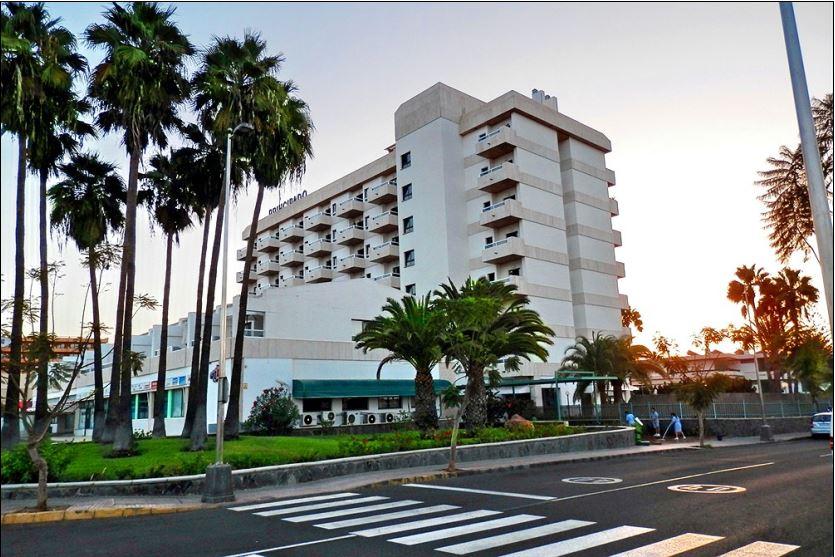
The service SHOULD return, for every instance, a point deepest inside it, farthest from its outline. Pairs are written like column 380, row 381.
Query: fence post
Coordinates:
column 744, row 413
column 799, row 413
column 714, row 410
column 782, row 410
column 680, row 410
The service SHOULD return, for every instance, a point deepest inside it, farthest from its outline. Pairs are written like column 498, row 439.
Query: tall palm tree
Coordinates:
column 488, row 324
column 410, row 331
column 283, row 146
column 598, row 354
column 87, row 207
column 138, row 88
column 796, row 295
column 173, row 204
column 38, row 62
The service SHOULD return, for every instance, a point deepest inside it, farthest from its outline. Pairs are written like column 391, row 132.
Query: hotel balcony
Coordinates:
column 267, row 244
column 322, row 273
column 260, row 289
column 620, row 269
column 517, row 281
column 383, row 193
column 241, row 254
column 319, row 221
column 617, row 239
column 387, row 251
column 623, row 300
column 292, row 233
column 267, row 267
column 349, row 236
column 391, row 280
column 613, row 207
column 294, row 280
column 385, row 222
column 239, row 276
column 503, row 251
column 501, row 214
column 496, row 143
column 350, row 208
column 291, row 258
column 351, row 264
column 318, row 248
column 499, row 178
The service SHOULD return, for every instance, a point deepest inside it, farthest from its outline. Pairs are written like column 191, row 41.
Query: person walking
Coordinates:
column 676, row 422
column 655, row 420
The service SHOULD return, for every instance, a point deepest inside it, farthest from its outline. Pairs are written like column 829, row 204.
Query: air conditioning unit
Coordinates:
column 351, row 418
column 388, row 417
column 309, row 420
column 327, row 416
column 370, row 418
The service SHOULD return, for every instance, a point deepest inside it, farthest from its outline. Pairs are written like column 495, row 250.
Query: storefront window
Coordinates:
column 389, row 403
column 140, row 406
column 175, row 403
column 354, row 404
column 316, row 405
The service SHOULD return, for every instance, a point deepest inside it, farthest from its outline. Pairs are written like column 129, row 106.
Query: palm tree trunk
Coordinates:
column 701, row 428
column 98, row 394
column 232, row 423
column 198, row 322
column 43, row 472
column 10, row 435
column 123, row 435
column 456, row 425
column 426, row 415
column 41, row 408
column 115, row 365
column 159, row 395
column 617, row 391
column 198, row 427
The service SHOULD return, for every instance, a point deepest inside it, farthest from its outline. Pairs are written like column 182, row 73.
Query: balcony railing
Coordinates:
column 353, row 234
column 388, row 279
column 383, row 193
column 267, row 243
column 498, row 178
column 291, row 233
column 503, row 250
column 386, row 251
column 384, row 222
column 259, row 333
column 501, row 214
column 291, row 258
column 351, row 208
column 351, row 264
column 318, row 221
column 497, row 142
column 322, row 273
column 318, row 247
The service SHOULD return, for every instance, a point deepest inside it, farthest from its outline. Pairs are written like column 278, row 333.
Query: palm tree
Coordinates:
column 488, row 324
column 138, row 88
column 795, row 294
column 173, row 203
column 411, row 331
column 700, row 392
column 633, row 363
column 87, row 207
column 283, row 146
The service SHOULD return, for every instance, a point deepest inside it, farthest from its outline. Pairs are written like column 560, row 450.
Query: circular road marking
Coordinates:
column 706, row 488
column 592, row 480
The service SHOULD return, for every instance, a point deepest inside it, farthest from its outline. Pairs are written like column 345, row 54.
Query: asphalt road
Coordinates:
column 785, row 500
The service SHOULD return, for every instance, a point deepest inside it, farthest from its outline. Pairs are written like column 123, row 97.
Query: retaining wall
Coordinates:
column 289, row 474
column 742, row 427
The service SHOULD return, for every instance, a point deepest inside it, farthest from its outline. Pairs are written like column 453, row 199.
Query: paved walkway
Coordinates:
column 99, row 505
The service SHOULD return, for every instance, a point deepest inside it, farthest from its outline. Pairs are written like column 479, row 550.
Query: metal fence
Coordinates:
column 743, row 409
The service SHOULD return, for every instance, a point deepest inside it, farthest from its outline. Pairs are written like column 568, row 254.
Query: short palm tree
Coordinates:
column 173, row 204
column 699, row 393
column 137, row 87
column 410, row 331
column 87, row 207
column 599, row 353
column 634, row 363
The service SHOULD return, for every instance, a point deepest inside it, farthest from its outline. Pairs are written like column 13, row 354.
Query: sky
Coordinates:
column 694, row 98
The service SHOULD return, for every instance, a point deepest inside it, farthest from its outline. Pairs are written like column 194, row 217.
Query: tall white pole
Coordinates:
column 221, row 373
column 811, row 156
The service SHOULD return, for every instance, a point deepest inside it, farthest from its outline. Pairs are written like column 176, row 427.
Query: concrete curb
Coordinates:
column 19, row 517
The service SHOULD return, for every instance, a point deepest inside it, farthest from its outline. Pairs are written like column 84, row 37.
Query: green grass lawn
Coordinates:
column 169, row 457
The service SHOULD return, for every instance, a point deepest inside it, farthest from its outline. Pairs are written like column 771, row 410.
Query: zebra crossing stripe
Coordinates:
column 466, row 529
column 317, row 506
column 394, row 528
column 762, row 549
column 346, row 512
column 286, row 502
column 513, row 537
column 671, row 546
column 384, row 517
column 582, row 542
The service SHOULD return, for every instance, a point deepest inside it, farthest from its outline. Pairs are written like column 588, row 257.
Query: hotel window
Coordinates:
column 407, row 192
column 409, row 258
column 408, row 225
column 491, row 276
column 396, row 270
column 389, row 403
column 514, row 272
column 488, row 240
column 175, row 403
column 514, row 234
column 140, row 406
column 411, row 290
column 486, row 204
column 316, row 405
column 406, row 160
column 367, row 275
column 349, row 404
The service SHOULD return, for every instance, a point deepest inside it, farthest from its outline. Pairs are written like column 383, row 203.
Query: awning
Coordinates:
column 337, row 388
column 573, row 378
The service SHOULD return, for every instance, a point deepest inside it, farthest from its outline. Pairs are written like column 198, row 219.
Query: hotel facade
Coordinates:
column 510, row 189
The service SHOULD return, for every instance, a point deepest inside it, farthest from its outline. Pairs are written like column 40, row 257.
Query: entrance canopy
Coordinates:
column 336, row 388
column 559, row 377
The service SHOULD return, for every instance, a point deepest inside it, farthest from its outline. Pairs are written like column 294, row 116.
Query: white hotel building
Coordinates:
column 510, row 189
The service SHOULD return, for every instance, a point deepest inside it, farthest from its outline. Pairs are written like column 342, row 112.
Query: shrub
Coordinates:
column 273, row 412
column 16, row 467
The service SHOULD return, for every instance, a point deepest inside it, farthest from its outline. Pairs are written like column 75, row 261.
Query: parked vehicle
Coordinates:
column 822, row 424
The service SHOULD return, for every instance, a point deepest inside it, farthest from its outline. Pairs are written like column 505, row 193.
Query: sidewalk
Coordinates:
column 76, row 508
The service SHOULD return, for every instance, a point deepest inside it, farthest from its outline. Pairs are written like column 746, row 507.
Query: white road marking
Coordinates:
column 825, row 455
column 384, row 517
column 670, row 546
column 513, row 537
column 346, row 512
column 286, row 502
column 482, row 491
column 582, row 542
column 592, row 480
column 435, row 535
column 712, row 489
column 405, row 526
column 302, row 544
column 317, row 506
column 762, row 549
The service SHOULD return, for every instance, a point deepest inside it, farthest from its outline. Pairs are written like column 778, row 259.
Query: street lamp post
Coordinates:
column 218, row 486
